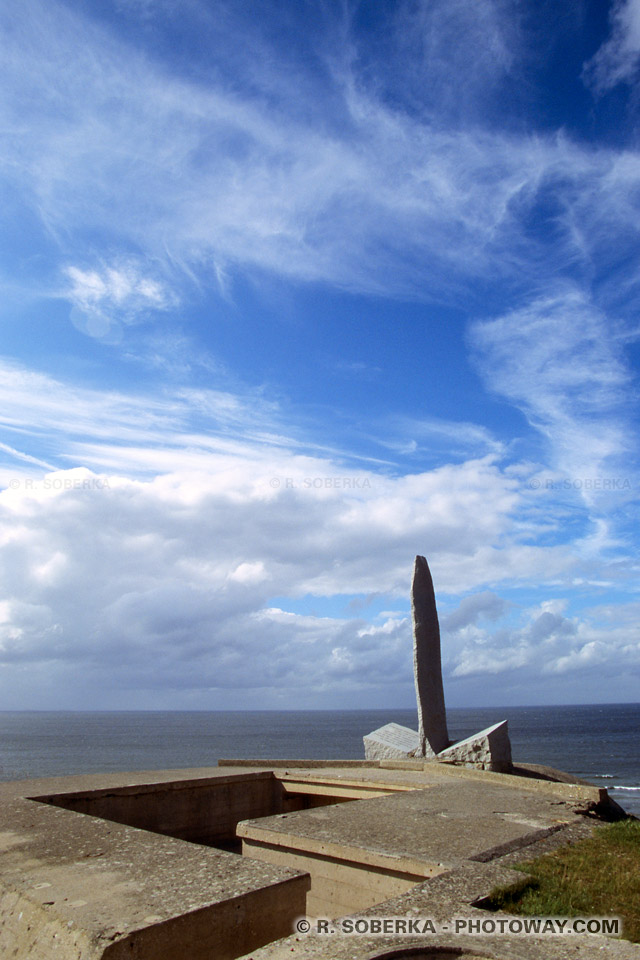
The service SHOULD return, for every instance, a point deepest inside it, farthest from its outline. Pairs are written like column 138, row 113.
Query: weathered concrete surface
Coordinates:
column 419, row 774
column 361, row 854
column 585, row 796
column 432, row 716
column 441, row 899
column 444, row 823
column 545, row 808
column 298, row 764
column 76, row 887
column 488, row 750
column 391, row 742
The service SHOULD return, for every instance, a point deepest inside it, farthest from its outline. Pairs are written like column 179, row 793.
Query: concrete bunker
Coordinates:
column 207, row 811
column 232, row 813
column 86, row 869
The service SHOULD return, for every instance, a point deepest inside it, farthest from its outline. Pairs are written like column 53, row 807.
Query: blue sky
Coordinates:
column 294, row 291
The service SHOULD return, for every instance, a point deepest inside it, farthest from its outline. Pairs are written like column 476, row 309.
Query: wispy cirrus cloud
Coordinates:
column 618, row 59
column 477, row 43
column 556, row 359
column 431, row 436
column 67, row 421
column 374, row 197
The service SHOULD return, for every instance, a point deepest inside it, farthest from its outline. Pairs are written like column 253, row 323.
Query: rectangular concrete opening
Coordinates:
column 204, row 811
column 211, row 812
column 207, row 811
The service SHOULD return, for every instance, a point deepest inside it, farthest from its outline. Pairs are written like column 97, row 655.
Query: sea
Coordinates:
column 600, row 743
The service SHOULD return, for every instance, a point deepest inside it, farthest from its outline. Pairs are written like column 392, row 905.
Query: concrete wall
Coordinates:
column 223, row 931
column 30, row 931
column 338, row 886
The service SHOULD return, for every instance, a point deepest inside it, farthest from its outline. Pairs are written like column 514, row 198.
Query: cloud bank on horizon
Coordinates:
column 290, row 299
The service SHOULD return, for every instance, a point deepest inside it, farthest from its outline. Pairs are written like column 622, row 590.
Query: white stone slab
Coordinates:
column 489, row 750
column 391, row 742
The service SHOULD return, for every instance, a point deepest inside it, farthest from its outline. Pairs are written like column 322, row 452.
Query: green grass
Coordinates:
column 599, row 876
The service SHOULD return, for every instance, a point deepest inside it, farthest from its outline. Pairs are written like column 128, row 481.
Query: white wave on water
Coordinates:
column 620, row 787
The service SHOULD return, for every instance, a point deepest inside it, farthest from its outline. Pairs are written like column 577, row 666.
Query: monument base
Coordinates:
column 488, row 750
column 392, row 742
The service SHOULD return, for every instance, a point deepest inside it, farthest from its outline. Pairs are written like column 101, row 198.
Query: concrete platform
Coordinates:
column 360, row 854
column 77, row 886
column 116, row 866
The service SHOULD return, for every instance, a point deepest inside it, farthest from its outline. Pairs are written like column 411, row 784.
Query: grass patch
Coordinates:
column 599, row 876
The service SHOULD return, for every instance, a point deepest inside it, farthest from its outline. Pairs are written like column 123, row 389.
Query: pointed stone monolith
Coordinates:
column 427, row 666
column 490, row 749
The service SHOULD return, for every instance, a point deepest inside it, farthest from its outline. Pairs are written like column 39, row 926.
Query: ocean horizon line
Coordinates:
column 403, row 709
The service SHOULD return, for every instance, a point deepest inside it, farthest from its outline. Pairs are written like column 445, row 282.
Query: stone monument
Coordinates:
column 490, row 749
column 427, row 665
